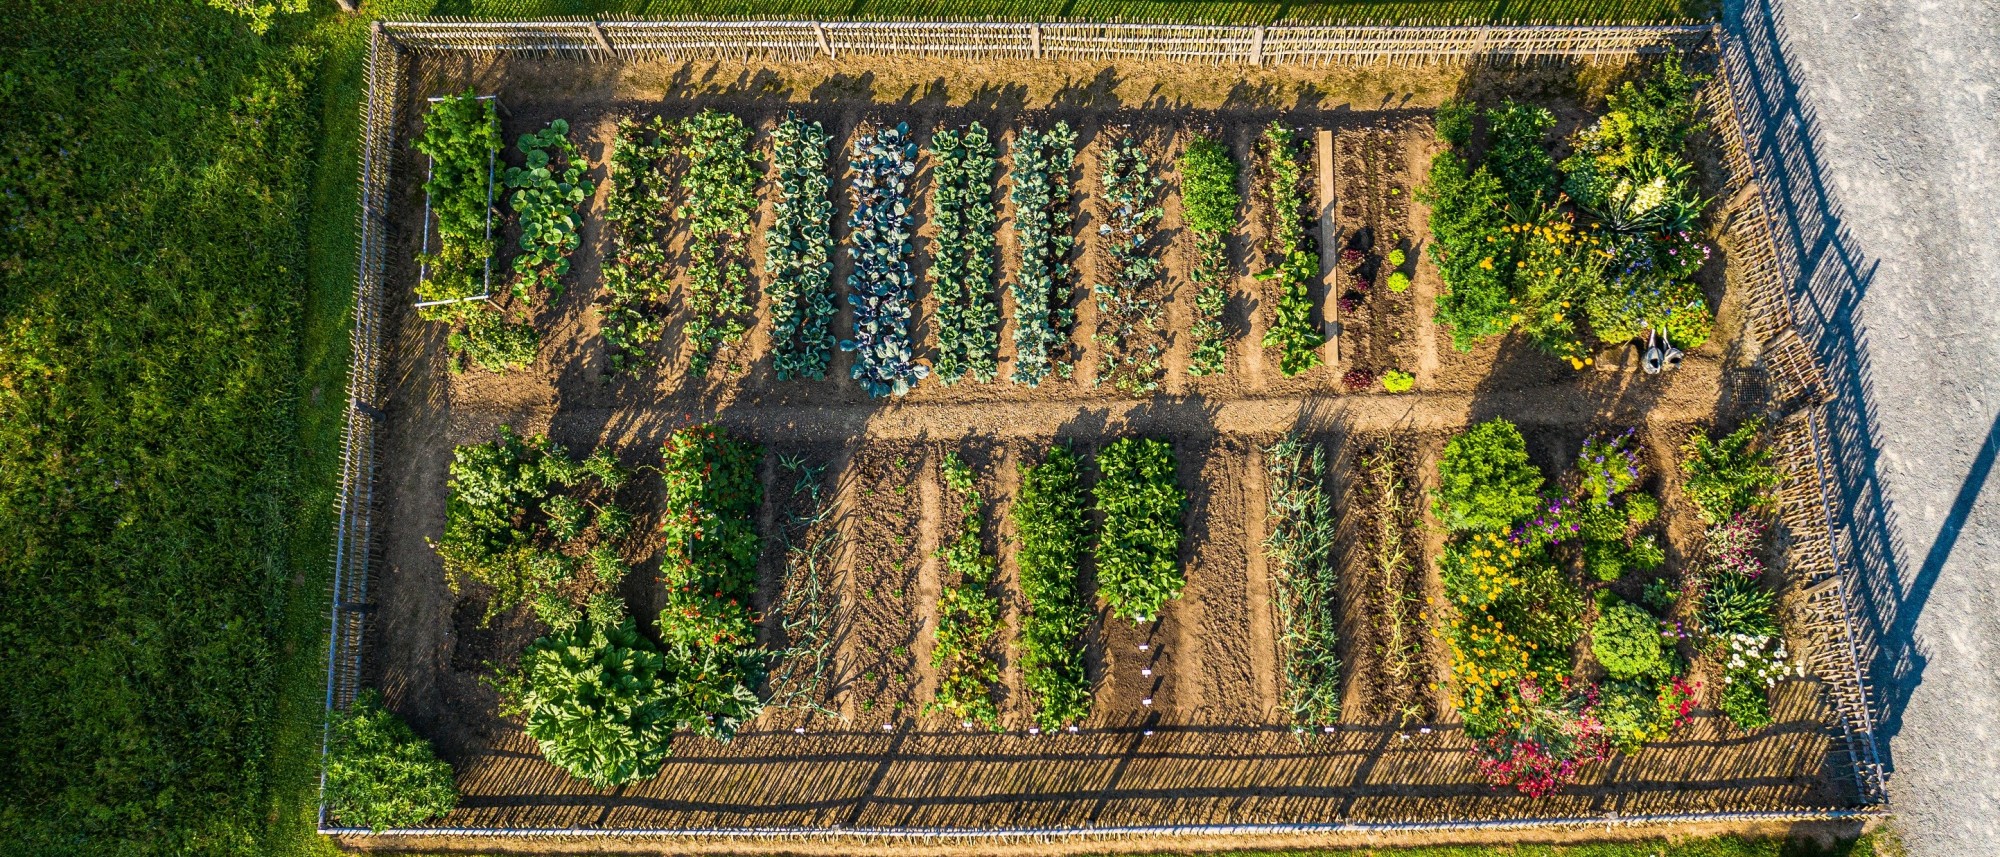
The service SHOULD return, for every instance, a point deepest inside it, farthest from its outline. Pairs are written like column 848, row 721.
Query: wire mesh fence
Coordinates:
column 1804, row 507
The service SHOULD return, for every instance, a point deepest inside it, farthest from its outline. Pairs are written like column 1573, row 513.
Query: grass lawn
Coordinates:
column 178, row 196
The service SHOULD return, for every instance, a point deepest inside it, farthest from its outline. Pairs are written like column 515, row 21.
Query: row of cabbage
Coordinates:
column 699, row 174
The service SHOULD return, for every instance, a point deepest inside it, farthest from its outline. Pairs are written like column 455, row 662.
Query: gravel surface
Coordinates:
column 1892, row 172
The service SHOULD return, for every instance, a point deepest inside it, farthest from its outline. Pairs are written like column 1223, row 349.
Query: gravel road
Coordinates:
column 1886, row 120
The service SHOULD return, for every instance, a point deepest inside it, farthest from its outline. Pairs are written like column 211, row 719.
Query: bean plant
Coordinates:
column 720, row 200
column 1052, row 517
column 1303, row 526
column 798, row 256
column 963, row 273
column 1288, row 246
column 968, row 612
column 639, row 211
column 879, row 242
column 1042, row 161
column 1130, row 303
column 1139, row 504
column 1209, row 200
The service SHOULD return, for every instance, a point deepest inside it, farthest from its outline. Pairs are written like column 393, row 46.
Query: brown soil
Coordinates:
column 1211, row 747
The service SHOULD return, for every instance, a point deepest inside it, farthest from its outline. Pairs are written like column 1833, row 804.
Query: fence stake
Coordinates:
column 1035, row 38
column 1257, row 47
column 819, row 32
column 603, row 43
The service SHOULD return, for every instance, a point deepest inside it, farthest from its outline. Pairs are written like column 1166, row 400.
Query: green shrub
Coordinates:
column 1473, row 249
column 1627, row 642
column 461, row 137
column 1729, row 476
column 1515, row 152
column 599, row 700
column 1485, row 481
column 379, row 774
column 1051, row 518
column 1140, row 504
column 1455, row 120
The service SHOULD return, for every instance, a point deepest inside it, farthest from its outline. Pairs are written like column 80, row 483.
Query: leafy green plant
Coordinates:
column 1041, row 164
column 639, row 209
column 1731, row 605
column 379, row 774
column 1303, row 528
column 1514, row 618
column 548, row 194
column 1397, row 381
column 1468, row 222
column 599, row 700
column 1288, row 246
column 1729, row 476
column 879, row 288
column 1209, row 201
column 1517, row 154
column 1399, row 282
column 1051, row 518
column 461, row 137
column 962, row 272
column 1485, row 481
column 1637, row 712
column 798, row 256
column 709, row 568
column 968, row 613
column 1140, row 503
column 1129, row 305
column 720, row 200
column 1627, row 643
column 1753, row 664
column 1454, row 121
column 491, row 341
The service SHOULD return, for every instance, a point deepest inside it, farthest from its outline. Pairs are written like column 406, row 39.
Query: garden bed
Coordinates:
column 1188, row 723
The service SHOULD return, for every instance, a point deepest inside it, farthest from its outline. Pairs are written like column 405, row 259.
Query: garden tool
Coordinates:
column 1653, row 355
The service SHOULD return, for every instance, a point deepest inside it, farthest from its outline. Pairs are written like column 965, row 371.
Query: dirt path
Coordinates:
column 1882, row 119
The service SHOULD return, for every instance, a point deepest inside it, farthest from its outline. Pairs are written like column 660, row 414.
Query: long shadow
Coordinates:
column 1825, row 276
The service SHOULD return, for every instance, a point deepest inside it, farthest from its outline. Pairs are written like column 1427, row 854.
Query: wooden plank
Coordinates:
column 1329, row 247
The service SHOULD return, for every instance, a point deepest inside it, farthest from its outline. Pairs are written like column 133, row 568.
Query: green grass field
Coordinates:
column 178, row 196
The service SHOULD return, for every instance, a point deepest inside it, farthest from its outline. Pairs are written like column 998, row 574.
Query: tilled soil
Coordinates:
column 1186, row 725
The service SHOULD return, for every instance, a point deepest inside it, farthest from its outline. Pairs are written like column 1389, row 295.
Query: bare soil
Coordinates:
column 1186, row 726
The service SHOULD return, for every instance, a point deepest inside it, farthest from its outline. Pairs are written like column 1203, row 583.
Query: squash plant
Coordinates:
column 639, row 209
column 720, row 200
column 548, row 194
column 1289, row 250
column 968, row 612
column 962, row 271
column 1140, row 503
column 798, row 256
column 1208, row 201
column 1042, row 161
column 879, row 243
column 1130, row 303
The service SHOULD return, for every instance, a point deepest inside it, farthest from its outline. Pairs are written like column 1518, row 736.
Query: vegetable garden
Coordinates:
column 983, row 459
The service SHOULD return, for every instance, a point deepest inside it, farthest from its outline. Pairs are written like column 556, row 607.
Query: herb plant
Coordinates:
column 798, row 257
column 962, row 271
column 1288, row 247
column 1042, row 287
column 879, row 288
column 1140, row 503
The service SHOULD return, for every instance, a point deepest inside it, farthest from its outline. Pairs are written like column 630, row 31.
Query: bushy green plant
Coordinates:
column 639, row 212
column 1130, row 304
column 1752, row 665
column 1399, row 282
column 548, row 194
column 1139, row 504
column 879, row 287
column 599, row 701
column 1303, row 528
column 1514, row 618
column 968, row 613
column 1515, row 152
column 720, row 201
column 1626, row 641
column 1042, row 160
column 1051, row 518
column 1209, row 201
column 1732, row 604
column 1485, row 481
column 490, row 341
column 379, row 774
column 962, row 272
column 1469, row 222
column 1454, row 121
column 798, row 254
column 1608, row 466
column 1398, row 381
column 1288, row 245
column 1729, row 476
column 461, row 137
column 1637, row 712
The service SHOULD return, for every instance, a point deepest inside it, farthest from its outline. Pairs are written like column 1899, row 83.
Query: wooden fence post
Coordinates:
column 1257, row 47
column 1035, row 37
column 603, row 42
column 825, row 47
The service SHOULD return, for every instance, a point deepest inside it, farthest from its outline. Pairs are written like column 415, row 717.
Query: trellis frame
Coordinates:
column 1806, row 501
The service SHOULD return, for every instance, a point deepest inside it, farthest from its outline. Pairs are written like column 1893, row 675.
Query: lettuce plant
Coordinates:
column 1140, row 504
column 879, row 242
column 1052, row 517
column 962, row 271
column 1209, row 200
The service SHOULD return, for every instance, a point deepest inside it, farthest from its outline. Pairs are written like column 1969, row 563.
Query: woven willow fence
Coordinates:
column 1806, row 507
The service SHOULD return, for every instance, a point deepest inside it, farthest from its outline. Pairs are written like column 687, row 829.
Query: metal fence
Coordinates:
column 1806, row 510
